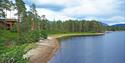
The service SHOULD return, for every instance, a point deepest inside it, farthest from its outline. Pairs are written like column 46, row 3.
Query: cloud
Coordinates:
column 91, row 18
column 56, row 2
column 108, row 20
column 94, row 8
column 116, row 18
column 81, row 7
column 107, row 11
column 51, row 7
column 11, row 14
column 51, row 15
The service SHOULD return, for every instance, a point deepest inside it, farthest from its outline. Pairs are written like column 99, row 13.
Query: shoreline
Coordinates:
column 73, row 34
column 46, row 49
column 43, row 52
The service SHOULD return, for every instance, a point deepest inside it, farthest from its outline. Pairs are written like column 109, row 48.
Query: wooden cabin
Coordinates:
column 7, row 23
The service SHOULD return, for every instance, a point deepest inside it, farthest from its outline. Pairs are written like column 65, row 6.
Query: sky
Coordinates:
column 106, row 11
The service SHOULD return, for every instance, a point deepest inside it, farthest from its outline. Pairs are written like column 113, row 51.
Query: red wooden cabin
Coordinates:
column 7, row 23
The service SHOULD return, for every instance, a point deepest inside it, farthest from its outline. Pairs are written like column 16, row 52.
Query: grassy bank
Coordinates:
column 13, row 45
column 73, row 34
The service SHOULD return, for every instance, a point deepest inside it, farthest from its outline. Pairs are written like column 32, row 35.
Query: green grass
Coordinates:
column 74, row 34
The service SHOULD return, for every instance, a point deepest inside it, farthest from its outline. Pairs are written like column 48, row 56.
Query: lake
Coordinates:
column 108, row 48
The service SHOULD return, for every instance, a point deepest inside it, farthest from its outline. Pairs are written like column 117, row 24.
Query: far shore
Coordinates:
column 47, row 48
column 73, row 34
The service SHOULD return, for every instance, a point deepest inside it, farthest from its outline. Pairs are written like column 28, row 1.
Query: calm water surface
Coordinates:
column 108, row 48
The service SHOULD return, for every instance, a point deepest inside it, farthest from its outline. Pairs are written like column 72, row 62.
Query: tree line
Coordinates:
column 74, row 26
column 115, row 28
column 30, row 21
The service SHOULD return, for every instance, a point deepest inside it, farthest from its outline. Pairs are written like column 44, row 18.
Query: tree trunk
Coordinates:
column 32, row 24
column 18, row 24
column 6, row 13
column 25, row 24
column 10, row 13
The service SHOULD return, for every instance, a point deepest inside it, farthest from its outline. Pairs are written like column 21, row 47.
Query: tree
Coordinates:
column 20, row 6
column 12, row 7
column 4, row 5
column 34, row 12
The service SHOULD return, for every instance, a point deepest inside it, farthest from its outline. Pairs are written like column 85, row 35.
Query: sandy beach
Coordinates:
column 43, row 52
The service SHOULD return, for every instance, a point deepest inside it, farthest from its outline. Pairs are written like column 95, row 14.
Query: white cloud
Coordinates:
column 109, row 20
column 51, row 15
column 116, row 18
column 84, row 7
column 93, row 7
column 91, row 18
column 57, row 2
column 116, row 23
column 11, row 14
column 27, row 7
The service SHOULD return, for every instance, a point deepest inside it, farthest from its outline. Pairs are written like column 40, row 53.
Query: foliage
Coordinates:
column 14, row 54
column 14, row 45
column 8, row 38
column 115, row 28
column 20, row 6
column 34, row 36
column 75, row 26
column 4, row 5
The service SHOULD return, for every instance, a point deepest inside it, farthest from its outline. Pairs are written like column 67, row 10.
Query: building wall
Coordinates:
column 7, row 23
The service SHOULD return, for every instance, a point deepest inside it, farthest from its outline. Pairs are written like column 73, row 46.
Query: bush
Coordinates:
column 30, row 37
column 13, row 55
column 43, row 34
column 13, row 45
column 8, row 38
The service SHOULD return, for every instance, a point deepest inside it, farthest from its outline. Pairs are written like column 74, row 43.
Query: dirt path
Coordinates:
column 43, row 52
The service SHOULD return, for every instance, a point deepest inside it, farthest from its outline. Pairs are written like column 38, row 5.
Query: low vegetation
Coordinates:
column 14, row 45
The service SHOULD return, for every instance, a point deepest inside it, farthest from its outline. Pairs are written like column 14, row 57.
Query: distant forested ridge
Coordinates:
column 116, row 27
column 119, row 25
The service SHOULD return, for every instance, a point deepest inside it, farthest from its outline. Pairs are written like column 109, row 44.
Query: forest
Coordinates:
column 30, row 28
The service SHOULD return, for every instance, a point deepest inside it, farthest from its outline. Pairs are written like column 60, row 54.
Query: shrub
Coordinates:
column 30, row 37
column 13, row 55
column 8, row 38
column 43, row 34
column 13, row 45
column 34, row 36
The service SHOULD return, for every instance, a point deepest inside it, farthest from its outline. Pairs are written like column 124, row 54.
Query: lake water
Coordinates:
column 108, row 48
